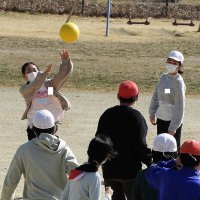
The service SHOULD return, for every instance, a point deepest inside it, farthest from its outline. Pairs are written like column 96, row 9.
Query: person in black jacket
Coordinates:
column 127, row 129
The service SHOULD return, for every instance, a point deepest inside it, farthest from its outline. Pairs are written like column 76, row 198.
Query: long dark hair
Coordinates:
column 100, row 148
column 180, row 71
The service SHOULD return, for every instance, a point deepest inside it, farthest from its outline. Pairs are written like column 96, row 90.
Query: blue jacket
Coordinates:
column 183, row 184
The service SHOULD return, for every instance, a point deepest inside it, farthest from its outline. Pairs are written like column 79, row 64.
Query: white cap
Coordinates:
column 176, row 55
column 43, row 119
column 165, row 142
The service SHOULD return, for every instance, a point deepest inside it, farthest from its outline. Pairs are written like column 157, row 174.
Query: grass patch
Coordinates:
column 100, row 63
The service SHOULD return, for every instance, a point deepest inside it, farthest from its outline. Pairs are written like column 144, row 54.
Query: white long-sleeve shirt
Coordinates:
column 168, row 100
column 44, row 162
column 85, row 186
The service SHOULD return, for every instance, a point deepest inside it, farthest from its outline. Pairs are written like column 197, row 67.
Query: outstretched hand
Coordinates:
column 108, row 190
column 48, row 70
column 64, row 54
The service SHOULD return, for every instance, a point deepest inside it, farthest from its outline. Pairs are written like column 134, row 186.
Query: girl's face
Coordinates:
column 29, row 69
column 172, row 61
column 176, row 65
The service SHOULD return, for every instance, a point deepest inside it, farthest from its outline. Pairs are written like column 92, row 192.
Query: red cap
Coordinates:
column 128, row 89
column 191, row 147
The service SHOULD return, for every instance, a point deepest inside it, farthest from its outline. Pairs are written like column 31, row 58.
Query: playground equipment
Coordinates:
column 146, row 22
column 69, row 32
column 175, row 23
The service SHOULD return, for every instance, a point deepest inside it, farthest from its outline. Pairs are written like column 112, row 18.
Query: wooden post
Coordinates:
column 198, row 28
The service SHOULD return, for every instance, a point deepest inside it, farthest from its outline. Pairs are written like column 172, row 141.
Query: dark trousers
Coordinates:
column 122, row 189
column 30, row 133
column 162, row 127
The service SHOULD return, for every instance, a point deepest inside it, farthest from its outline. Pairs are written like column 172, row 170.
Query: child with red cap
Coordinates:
column 127, row 129
column 183, row 184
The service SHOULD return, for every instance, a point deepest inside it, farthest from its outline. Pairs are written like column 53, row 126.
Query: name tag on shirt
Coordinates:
column 167, row 91
column 50, row 90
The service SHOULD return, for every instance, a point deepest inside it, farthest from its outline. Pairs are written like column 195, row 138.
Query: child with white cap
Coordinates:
column 164, row 149
column 44, row 161
column 168, row 100
column 40, row 92
column 182, row 184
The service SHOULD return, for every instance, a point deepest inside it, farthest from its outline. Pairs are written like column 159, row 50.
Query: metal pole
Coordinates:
column 108, row 18
column 82, row 10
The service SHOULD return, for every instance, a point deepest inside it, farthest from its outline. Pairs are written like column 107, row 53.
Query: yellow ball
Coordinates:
column 69, row 32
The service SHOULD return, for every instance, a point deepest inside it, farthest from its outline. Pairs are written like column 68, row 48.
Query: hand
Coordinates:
column 48, row 70
column 178, row 161
column 153, row 120
column 172, row 133
column 109, row 191
column 64, row 54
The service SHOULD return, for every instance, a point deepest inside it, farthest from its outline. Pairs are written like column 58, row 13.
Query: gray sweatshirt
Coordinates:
column 44, row 162
column 168, row 100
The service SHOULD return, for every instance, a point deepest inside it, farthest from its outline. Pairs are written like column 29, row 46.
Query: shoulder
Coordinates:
column 179, row 78
column 179, row 82
column 136, row 113
column 163, row 76
column 24, row 148
column 110, row 110
column 93, row 177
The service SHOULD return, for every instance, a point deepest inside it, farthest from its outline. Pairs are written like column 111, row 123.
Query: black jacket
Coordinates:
column 127, row 129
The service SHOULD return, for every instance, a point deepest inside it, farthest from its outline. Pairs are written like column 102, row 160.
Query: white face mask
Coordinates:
column 171, row 68
column 32, row 76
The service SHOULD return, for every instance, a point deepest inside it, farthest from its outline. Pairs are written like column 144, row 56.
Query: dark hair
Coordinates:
column 130, row 100
column 189, row 160
column 180, row 71
column 100, row 148
column 25, row 65
column 38, row 131
column 163, row 156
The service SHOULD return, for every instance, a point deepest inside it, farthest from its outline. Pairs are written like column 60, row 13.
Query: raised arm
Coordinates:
column 66, row 69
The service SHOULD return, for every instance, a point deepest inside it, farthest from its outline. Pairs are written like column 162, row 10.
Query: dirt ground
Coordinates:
column 79, row 124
